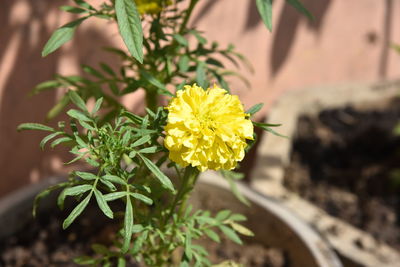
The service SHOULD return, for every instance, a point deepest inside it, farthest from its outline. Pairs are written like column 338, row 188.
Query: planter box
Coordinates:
column 273, row 225
column 274, row 156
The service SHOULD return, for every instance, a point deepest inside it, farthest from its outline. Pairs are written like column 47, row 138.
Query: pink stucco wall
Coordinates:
column 348, row 41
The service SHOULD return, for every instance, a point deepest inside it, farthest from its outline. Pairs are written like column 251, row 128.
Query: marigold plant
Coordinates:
column 129, row 154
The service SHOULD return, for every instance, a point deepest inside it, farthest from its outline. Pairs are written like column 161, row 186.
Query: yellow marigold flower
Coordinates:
column 151, row 6
column 207, row 128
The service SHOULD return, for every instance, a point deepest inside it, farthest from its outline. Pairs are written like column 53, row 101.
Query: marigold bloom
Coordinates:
column 207, row 128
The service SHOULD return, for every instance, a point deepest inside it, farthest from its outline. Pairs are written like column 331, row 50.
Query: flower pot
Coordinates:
column 355, row 246
column 273, row 225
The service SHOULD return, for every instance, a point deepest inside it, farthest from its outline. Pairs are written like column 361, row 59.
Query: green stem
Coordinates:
column 188, row 182
column 188, row 14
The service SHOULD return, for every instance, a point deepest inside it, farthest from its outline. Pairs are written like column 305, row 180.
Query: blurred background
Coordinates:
column 349, row 41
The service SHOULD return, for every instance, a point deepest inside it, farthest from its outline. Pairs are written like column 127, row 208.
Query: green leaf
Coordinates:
column 150, row 150
column 76, row 211
column 201, row 75
column 80, row 116
column 180, row 39
column 92, row 71
column 45, row 86
column 300, row 7
column 128, row 225
column 43, row 194
column 57, row 108
column 103, row 204
column 265, row 9
column 114, row 196
column 84, row 4
column 237, row 217
column 212, row 235
column 142, row 198
column 152, row 80
column 230, row 234
column 48, row 138
column 183, row 63
column 85, row 260
column 139, row 242
column 97, row 106
column 222, row 215
column 241, row 229
column 266, row 127
column 130, row 27
column 121, row 262
column 77, row 100
column 164, row 180
column 107, row 69
column 188, row 245
column 142, row 140
column 254, row 109
column 34, row 126
column 72, row 191
column 60, row 141
column 61, row 36
column 108, row 184
column 86, row 175
column 114, row 179
column 74, row 10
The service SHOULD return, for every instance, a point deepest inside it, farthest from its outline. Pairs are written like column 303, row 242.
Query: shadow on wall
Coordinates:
column 287, row 26
column 23, row 36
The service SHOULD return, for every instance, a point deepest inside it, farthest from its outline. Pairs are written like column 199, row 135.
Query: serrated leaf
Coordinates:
column 212, row 235
column 230, row 234
column 57, row 108
column 77, row 211
column 130, row 27
column 61, row 36
column 103, row 204
column 97, row 106
column 152, row 149
column 142, row 140
column 92, row 71
column 222, row 215
column 265, row 10
column 114, row 179
column 237, row 217
column 84, row 260
column 34, row 126
column 74, row 10
column 188, row 245
column 80, row 116
column 45, row 86
column 201, row 75
column 254, row 109
column 86, row 175
column 60, row 141
column 128, row 225
column 142, row 198
column 114, row 196
column 153, row 80
column 241, row 229
column 300, row 7
column 72, row 191
column 183, row 63
column 164, row 180
column 48, row 138
column 84, row 4
column 43, row 194
column 266, row 127
column 180, row 39
column 139, row 242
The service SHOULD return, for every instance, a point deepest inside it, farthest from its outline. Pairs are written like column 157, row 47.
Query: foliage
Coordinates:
column 125, row 151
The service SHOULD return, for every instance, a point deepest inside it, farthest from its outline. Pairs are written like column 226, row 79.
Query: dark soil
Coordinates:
column 43, row 242
column 347, row 161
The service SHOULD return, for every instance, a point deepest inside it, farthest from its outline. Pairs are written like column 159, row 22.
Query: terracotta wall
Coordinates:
column 348, row 41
